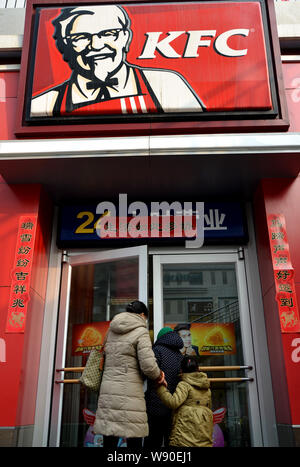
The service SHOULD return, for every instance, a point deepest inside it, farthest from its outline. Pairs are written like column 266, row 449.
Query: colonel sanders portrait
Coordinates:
column 94, row 41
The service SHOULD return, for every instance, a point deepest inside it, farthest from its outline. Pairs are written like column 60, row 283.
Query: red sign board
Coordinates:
column 21, row 275
column 283, row 274
column 182, row 57
column 139, row 61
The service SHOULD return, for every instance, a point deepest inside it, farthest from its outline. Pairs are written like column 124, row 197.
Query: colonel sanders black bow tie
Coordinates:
column 102, row 85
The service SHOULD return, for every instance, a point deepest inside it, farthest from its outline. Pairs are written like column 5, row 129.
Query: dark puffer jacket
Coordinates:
column 168, row 356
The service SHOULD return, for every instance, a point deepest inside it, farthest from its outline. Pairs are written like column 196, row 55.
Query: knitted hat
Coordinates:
column 164, row 331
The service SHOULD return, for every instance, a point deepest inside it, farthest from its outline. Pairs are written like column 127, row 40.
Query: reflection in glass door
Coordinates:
column 95, row 287
column 205, row 299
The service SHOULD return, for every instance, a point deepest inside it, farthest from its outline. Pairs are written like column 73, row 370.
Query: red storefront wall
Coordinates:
column 280, row 196
column 20, row 352
column 9, row 88
column 8, row 103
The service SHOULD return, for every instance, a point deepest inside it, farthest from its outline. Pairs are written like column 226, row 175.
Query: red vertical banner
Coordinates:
column 283, row 274
column 20, row 275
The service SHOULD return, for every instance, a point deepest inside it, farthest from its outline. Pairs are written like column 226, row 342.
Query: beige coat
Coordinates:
column 192, row 423
column 121, row 405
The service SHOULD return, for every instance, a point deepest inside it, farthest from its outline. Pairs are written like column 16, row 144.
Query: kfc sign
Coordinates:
column 159, row 60
column 194, row 41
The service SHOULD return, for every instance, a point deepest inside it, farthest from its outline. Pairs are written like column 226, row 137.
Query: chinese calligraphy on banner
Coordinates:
column 283, row 274
column 21, row 274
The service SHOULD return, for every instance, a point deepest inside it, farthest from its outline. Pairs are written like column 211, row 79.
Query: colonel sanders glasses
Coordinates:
column 82, row 40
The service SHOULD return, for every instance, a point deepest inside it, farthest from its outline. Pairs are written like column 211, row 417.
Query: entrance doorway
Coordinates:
column 205, row 297
column 203, row 294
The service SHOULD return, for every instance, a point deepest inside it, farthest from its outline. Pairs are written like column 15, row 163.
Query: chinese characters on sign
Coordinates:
column 154, row 226
column 214, row 220
column 88, row 336
column 283, row 274
column 21, row 273
column 214, row 338
column 153, row 221
column 208, row 339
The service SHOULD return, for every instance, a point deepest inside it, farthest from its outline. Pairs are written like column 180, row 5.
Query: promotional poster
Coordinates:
column 88, row 336
column 208, row 339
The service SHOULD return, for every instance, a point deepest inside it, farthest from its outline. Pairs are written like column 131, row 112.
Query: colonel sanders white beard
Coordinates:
column 101, row 64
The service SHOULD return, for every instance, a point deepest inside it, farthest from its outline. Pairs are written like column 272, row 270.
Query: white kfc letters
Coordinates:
column 195, row 39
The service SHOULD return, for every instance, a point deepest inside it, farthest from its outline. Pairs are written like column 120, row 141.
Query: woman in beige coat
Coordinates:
column 128, row 355
column 192, row 422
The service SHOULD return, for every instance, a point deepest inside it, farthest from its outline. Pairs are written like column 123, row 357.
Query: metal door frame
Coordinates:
column 75, row 259
column 53, row 302
column 217, row 256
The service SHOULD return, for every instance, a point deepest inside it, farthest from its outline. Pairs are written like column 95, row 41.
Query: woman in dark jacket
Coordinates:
column 168, row 356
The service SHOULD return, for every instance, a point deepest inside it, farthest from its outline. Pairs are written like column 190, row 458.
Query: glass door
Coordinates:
column 94, row 288
column 204, row 297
